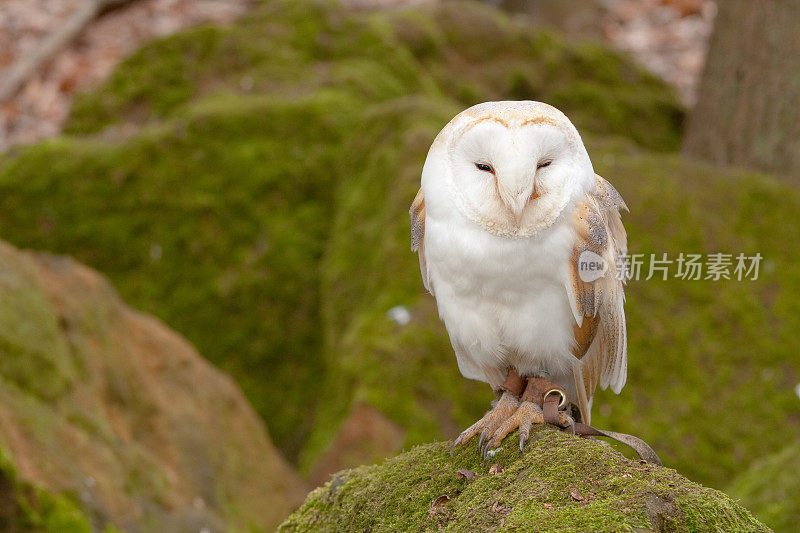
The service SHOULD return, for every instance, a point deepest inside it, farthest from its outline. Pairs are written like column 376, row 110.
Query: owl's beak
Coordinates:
column 515, row 201
column 518, row 212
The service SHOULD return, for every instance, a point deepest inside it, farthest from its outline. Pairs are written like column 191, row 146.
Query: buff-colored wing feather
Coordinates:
column 417, row 213
column 600, row 337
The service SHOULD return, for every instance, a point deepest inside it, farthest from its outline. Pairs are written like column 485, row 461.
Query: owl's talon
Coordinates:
column 509, row 414
column 527, row 414
column 489, row 446
column 524, row 433
column 486, row 426
column 480, row 440
column 490, row 449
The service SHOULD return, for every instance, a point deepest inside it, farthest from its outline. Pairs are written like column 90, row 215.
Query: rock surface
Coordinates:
column 561, row 483
column 110, row 406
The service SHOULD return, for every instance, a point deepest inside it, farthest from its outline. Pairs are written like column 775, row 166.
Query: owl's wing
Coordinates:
column 417, row 213
column 600, row 338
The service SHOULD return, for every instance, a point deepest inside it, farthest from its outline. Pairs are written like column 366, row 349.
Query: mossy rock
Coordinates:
column 466, row 51
column 128, row 423
column 561, row 483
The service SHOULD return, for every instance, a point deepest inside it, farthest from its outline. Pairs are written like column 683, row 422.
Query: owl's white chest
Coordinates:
column 503, row 301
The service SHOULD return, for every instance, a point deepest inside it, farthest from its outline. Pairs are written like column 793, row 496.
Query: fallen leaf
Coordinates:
column 469, row 475
column 576, row 495
column 548, row 505
column 496, row 469
column 437, row 504
column 441, row 500
column 498, row 507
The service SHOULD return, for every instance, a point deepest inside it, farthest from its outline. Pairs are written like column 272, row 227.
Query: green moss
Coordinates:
column 60, row 515
column 769, row 487
column 461, row 49
column 33, row 355
column 561, row 483
column 24, row 507
column 214, row 223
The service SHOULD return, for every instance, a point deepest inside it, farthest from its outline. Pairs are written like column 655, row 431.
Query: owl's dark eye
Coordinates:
column 543, row 164
column 484, row 167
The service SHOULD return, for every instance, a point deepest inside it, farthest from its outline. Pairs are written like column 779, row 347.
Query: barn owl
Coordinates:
column 509, row 204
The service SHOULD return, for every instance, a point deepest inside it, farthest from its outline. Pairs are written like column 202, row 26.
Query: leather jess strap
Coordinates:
column 550, row 408
column 513, row 384
column 539, row 389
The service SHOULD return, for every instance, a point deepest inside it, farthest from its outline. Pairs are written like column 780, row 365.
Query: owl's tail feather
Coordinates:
column 584, row 402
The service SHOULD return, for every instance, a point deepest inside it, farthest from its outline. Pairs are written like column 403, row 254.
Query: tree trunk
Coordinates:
column 748, row 111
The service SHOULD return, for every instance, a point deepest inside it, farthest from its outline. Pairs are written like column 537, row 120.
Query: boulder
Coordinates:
column 111, row 408
column 561, row 483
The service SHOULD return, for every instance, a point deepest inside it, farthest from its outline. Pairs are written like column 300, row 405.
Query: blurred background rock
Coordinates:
column 247, row 182
column 669, row 37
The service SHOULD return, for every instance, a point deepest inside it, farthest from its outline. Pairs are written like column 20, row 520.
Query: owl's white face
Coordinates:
column 513, row 167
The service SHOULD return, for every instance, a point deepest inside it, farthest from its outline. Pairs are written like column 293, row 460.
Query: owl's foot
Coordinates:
column 505, row 407
column 538, row 392
column 526, row 415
